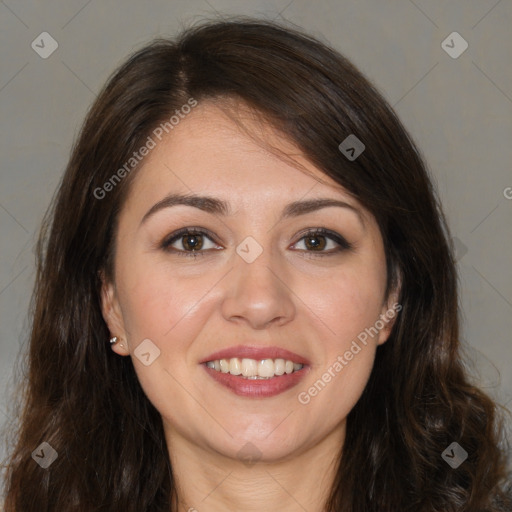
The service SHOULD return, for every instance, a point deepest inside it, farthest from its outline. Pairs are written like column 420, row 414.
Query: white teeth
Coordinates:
column 266, row 368
column 249, row 368
column 224, row 365
column 279, row 365
column 235, row 366
column 253, row 369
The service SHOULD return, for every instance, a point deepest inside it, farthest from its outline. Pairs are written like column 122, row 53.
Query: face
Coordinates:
column 277, row 264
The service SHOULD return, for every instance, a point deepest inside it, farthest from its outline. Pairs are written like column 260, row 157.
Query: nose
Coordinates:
column 258, row 294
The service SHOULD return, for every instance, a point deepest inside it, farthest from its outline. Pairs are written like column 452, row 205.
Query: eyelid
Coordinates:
column 193, row 230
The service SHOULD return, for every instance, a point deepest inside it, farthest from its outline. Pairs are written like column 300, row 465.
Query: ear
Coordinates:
column 390, row 311
column 113, row 316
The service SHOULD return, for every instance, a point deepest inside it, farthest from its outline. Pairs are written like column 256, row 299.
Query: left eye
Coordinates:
column 316, row 243
column 322, row 241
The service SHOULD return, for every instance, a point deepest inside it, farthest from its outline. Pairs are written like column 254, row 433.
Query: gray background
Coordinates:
column 459, row 111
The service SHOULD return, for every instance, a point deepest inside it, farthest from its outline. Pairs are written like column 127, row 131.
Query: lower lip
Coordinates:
column 258, row 388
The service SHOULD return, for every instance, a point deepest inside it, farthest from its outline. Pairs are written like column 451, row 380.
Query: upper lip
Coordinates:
column 256, row 352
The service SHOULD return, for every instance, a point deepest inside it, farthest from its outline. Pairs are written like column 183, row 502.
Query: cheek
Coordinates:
column 349, row 305
column 151, row 304
column 341, row 385
column 349, row 302
column 169, row 310
column 163, row 306
column 346, row 360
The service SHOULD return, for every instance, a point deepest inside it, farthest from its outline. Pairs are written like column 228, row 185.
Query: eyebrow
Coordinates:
column 217, row 206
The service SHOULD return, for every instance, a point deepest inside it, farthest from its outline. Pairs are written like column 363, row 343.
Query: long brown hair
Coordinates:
column 87, row 403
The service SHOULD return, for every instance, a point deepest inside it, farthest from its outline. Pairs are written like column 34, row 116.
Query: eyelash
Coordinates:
column 311, row 233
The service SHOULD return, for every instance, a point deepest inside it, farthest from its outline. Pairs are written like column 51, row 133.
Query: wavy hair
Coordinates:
column 87, row 403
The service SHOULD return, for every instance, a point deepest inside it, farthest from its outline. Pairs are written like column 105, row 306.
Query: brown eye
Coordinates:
column 315, row 242
column 323, row 242
column 192, row 242
column 189, row 242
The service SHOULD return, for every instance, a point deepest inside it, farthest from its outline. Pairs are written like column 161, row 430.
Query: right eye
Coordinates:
column 190, row 242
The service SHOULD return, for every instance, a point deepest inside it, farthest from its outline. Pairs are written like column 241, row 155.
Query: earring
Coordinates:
column 113, row 340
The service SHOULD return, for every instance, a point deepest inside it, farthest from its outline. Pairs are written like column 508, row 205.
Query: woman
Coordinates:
column 246, row 299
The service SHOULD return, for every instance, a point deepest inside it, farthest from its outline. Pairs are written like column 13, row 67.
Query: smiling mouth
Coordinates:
column 255, row 369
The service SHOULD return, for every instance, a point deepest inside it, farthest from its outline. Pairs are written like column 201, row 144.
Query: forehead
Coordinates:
column 231, row 153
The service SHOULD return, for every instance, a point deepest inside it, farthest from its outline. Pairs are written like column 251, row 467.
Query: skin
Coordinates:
column 190, row 307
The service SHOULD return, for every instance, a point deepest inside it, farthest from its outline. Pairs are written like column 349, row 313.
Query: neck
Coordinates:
column 207, row 481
